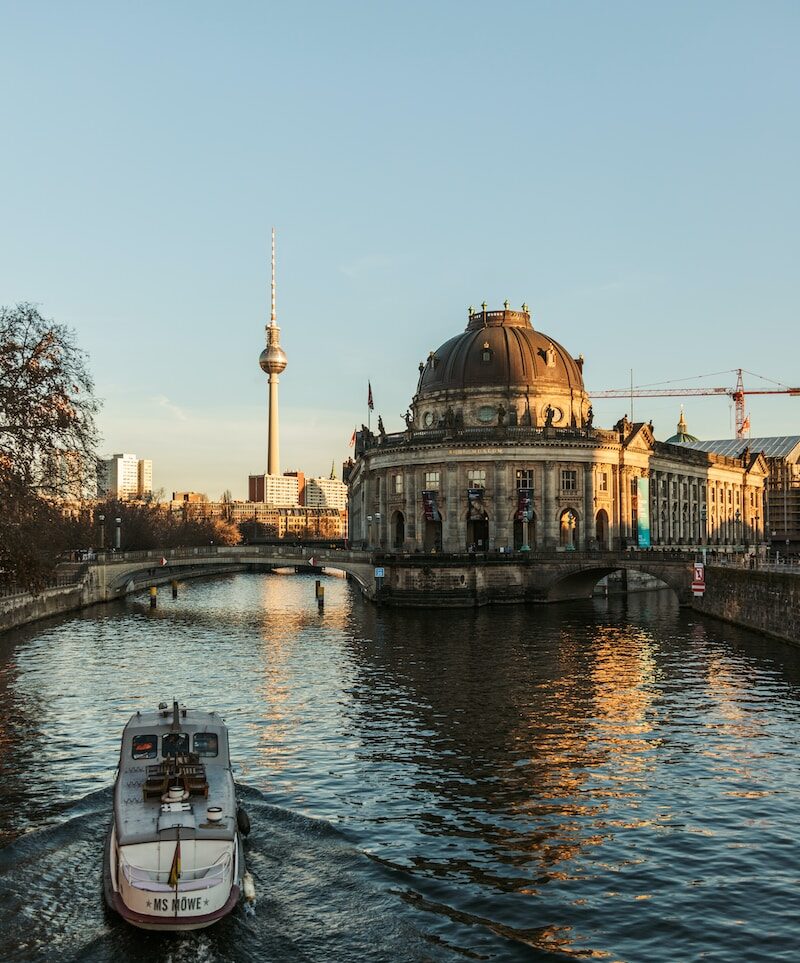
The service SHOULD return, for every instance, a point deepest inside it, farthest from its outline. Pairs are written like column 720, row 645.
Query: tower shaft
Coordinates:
column 273, row 441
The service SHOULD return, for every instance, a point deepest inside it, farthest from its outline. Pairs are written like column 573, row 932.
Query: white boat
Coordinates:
column 174, row 858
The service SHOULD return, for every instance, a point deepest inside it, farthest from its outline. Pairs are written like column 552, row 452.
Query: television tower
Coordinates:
column 272, row 361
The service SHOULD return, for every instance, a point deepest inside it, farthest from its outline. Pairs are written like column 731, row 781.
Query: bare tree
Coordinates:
column 47, row 403
column 47, row 434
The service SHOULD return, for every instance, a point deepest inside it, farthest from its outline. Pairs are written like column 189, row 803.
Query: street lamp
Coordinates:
column 102, row 520
column 737, row 518
column 369, row 531
column 118, row 533
column 703, row 524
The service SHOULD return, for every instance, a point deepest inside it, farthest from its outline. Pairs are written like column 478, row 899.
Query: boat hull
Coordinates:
column 173, row 923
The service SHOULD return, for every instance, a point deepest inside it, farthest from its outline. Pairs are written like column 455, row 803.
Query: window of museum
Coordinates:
column 634, row 486
column 432, row 480
column 569, row 480
column 486, row 353
column 602, row 481
column 476, row 478
column 398, row 484
column 524, row 478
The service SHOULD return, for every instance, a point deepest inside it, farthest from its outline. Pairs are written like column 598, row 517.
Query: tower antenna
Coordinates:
column 273, row 316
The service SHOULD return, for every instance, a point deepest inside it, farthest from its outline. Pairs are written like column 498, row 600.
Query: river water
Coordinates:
column 607, row 780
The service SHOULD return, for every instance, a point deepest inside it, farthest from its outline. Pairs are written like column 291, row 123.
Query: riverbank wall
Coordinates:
column 766, row 601
column 26, row 607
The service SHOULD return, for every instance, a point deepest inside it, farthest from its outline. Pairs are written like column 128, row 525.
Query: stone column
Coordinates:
column 500, row 534
column 407, row 502
column 451, row 541
column 414, row 503
column 589, row 540
column 615, row 533
column 624, row 505
column 383, row 540
column 550, row 538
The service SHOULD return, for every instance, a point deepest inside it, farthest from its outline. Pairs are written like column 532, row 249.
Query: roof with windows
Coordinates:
column 786, row 447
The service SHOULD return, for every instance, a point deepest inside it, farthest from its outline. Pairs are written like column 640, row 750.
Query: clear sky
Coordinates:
column 628, row 169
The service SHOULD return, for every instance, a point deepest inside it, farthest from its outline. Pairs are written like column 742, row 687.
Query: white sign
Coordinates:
column 699, row 579
column 379, row 573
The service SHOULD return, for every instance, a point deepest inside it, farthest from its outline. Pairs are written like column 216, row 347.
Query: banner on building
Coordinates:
column 643, row 512
column 524, row 505
column 475, row 510
column 429, row 507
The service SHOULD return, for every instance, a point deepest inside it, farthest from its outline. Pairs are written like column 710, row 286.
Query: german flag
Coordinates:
column 175, row 869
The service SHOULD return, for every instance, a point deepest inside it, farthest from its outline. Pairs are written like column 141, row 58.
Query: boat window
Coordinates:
column 145, row 747
column 206, row 743
column 175, row 744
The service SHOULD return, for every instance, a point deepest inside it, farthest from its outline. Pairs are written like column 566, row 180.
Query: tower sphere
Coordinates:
column 272, row 359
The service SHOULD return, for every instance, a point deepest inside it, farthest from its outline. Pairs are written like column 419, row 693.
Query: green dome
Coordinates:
column 682, row 437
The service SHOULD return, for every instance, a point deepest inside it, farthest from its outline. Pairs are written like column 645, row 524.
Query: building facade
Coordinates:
column 500, row 452
column 124, row 476
column 782, row 501
column 258, row 520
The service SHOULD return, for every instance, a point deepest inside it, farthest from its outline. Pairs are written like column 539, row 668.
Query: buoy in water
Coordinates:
column 242, row 821
column 249, row 888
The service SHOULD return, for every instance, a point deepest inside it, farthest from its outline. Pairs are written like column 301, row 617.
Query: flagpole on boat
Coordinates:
column 175, row 871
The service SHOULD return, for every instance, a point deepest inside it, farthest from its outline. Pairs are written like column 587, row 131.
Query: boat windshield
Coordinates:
column 206, row 743
column 144, row 747
column 175, row 744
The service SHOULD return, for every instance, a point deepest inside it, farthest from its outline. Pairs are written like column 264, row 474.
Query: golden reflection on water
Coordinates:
column 289, row 612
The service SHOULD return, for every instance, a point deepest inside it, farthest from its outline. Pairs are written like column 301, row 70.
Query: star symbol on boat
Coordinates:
column 148, row 904
column 205, row 902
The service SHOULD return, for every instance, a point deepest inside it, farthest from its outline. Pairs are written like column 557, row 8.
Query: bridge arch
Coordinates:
column 580, row 581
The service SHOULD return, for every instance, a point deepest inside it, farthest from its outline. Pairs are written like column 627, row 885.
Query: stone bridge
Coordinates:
column 463, row 579
column 119, row 573
column 552, row 576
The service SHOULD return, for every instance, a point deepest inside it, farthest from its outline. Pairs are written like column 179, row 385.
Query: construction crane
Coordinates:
column 737, row 394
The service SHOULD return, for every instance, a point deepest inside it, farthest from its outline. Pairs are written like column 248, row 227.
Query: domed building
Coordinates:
column 682, row 437
column 500, row 452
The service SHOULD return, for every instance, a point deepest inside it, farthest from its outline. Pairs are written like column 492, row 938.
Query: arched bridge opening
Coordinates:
column 582, row 582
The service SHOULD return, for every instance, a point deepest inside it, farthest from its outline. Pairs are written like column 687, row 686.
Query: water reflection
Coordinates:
column 551, row 781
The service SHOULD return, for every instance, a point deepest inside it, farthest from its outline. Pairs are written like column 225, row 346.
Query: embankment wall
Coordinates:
column 767, row 601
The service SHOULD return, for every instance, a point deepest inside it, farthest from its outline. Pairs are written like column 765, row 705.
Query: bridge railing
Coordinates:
column 291, row 553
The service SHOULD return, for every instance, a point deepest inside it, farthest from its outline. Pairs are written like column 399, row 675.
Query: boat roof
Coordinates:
column 151, row 747
column 162, row 718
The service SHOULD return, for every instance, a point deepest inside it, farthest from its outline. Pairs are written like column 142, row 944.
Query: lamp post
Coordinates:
column 369, row 531
column 378, row 527
column 102, row 520
column 736, row 519
column 118, row 533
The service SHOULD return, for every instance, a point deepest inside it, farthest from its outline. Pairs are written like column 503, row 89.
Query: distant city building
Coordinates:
column 124, row 476
column 144, row 477
column 260, row 520
column 325, row 493
column 280, row 491
column 189, row 497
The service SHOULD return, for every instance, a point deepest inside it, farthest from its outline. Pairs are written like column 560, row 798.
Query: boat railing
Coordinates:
column 196, row 877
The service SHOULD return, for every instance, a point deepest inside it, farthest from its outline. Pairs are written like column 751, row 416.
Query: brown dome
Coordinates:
column 500, row 349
